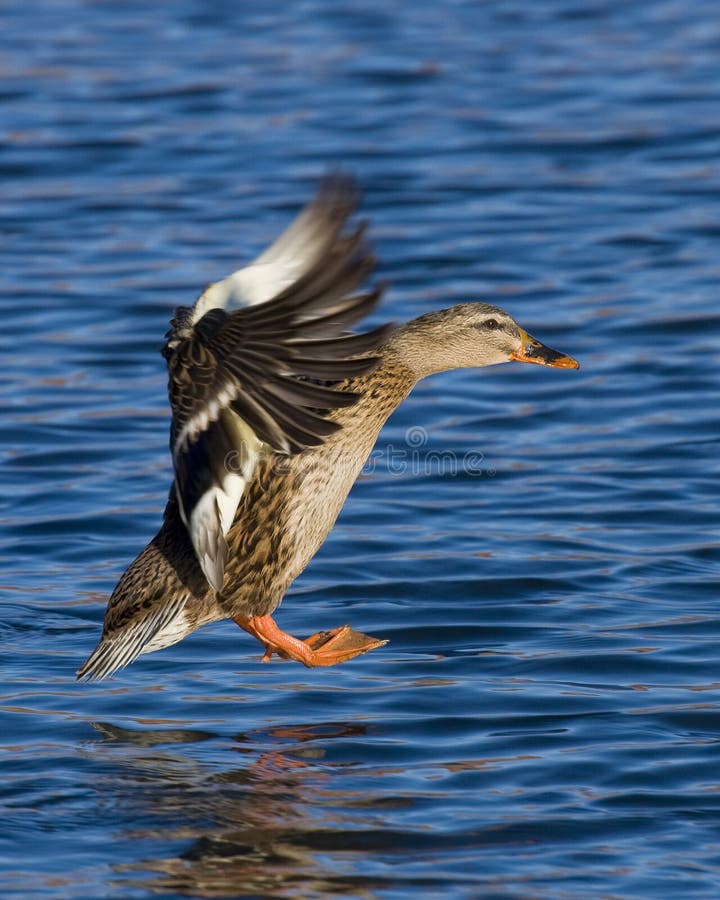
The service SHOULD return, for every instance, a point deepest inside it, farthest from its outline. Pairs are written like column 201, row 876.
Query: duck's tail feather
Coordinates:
column 118, row 647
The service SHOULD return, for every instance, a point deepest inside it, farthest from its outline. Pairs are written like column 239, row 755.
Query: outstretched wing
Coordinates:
column 244, row 364
column 304, row 244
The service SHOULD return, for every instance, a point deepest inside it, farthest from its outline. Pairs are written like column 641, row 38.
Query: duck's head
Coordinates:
column 470, row 335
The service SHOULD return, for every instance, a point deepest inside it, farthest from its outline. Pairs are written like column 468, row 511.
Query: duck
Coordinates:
column 276, row 405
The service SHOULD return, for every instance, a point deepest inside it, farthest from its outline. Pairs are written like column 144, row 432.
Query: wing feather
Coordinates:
column 290, row 256
column 244, row 364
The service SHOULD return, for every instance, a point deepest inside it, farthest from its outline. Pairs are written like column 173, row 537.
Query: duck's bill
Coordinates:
column 532, row 351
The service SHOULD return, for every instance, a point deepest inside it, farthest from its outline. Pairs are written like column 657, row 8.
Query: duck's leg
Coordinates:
column 325, row 648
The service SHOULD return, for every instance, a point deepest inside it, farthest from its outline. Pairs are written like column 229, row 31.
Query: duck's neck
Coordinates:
column 442, row 340
column 415, row 349
column 409, row 355
column 406, row 354
column 413, row 352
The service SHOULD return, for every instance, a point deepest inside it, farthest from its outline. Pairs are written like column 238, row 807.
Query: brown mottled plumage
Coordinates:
column 265, row 454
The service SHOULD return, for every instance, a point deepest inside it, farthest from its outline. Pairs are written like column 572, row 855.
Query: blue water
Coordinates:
column 545, row 721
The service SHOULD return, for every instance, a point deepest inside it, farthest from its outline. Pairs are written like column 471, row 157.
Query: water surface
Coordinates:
column 544, row 721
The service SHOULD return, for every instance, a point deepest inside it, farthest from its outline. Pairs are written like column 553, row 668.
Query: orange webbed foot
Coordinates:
column 340, row 644
column 324, row 648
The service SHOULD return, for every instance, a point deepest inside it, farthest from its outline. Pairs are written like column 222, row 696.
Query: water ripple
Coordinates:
column 544, row 721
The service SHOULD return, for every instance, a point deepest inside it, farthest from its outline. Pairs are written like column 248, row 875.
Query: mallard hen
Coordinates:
column 275, row 409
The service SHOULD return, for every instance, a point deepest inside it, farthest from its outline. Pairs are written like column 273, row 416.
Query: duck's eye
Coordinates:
column 491, row 324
